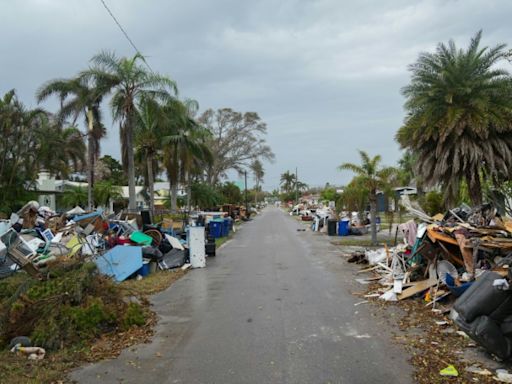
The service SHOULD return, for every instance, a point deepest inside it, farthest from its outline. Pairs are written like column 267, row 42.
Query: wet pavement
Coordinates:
column 274, row 306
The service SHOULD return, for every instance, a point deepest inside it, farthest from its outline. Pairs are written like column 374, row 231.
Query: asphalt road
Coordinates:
column 274, row 306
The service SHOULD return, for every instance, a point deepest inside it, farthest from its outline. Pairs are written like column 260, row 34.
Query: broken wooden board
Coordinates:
column 418, row 287
column 367, row 269
column 434, row 236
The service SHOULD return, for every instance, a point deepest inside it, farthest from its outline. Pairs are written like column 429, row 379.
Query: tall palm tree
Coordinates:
column 130, row 81
column 373, row 177
column 287, row 181
column 149, row 129
column 185, row 146
column 258, row 173
column 80, row 97
column 459, row 117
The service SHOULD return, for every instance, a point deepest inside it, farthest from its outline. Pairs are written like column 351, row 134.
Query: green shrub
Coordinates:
column 432, row 203
column 75, row 305
column 134, row 315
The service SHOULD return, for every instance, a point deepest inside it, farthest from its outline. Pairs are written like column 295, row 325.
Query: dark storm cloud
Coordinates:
column 325, row 75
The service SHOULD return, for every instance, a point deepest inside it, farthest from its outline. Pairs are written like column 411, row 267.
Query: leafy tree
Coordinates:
column 59, row 149
column 372, row 177
column 354, row 196
column 73, row 196
column 129, row 81
column 432, row 202
column 78, row 97
column 204, row 195
column 237, row 140
column 329, row 194
column 231, row 193
column 32, row 140
column 459, row 119
column 105, row 191
column 113, row 170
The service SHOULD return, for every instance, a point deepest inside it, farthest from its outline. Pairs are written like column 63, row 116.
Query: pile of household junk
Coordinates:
column 122, row 246
column 460, row 260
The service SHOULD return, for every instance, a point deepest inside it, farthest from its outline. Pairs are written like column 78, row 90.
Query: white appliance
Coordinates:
column 196, row 247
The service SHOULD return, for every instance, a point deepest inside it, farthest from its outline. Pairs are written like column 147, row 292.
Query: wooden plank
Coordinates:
column 367, row 269
column 435, row 236
column 418, row 287
column 451, row 255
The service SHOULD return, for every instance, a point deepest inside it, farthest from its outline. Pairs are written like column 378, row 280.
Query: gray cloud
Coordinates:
column 325, row 75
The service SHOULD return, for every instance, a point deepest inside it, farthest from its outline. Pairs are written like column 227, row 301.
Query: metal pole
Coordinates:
column 246, row 200
column 296, row 186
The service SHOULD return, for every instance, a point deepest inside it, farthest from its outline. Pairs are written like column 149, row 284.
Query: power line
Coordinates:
column 125, row 33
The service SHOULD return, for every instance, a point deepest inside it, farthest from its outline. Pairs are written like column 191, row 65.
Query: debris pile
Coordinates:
column 461, row 260
column 36, row 238
column 59, row 272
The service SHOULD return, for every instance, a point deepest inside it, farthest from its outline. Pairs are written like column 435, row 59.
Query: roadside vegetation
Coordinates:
column 77, row 315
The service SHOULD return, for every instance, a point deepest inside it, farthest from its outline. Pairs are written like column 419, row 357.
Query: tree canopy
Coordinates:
column 459, row 117
column 237, row 139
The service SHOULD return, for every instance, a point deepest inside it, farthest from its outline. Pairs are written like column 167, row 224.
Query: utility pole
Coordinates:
column 246, row 201
column 296, row 186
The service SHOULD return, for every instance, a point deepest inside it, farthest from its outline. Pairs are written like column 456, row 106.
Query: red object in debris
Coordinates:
column 307, row 218
column 121, row 240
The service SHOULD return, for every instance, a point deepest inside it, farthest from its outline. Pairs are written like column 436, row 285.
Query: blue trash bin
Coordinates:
column 215, row 229
column 343, row 228
column 227, row 226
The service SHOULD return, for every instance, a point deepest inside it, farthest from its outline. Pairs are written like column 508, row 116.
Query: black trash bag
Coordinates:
column 481, row 298
column 175, row 258
column 503, row 311
column 487, row 333
column 506, row 326
column 152, row 253
column 164, row 246
column 210, row 249
column 460, row 322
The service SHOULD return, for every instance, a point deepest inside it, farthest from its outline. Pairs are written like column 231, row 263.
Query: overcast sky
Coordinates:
column 325, row 75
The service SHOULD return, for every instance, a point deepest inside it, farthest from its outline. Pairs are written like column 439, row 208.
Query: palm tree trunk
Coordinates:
column 90, row 162
column 474, row 188
column 373, row 216
column 132, row 203
column 151, row 186
column 174, row 197
column 189, row 192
